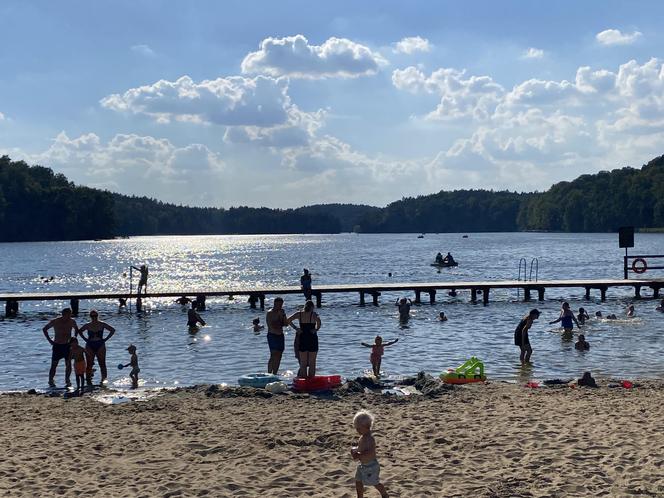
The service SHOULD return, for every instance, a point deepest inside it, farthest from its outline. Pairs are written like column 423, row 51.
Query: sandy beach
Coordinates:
column 493, row 440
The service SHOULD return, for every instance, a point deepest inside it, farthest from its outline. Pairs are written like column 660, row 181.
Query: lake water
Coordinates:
column 228, row 348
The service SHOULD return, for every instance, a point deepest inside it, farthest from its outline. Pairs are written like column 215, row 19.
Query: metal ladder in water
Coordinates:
column 527, row 276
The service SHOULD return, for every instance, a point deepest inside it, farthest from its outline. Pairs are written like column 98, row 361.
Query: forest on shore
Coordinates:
column 38, row 204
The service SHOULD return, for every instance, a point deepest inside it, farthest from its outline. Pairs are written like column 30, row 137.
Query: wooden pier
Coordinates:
column 478, row 291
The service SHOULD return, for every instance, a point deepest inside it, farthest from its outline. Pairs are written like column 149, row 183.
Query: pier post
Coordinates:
column 587, row 293
column 319, row 299
column 417, row 296
column 432, row 296
column 473, row 295
column 603, row 293
column 526, row 293
column 485, row 296
column 655, row 292
column 11, row 308
column 73, row 304
column 637, row 292
column 261, row 300
column 540, row 293
column 200, row 302
column 361, row 298
column 139, row 304
column 374, row 295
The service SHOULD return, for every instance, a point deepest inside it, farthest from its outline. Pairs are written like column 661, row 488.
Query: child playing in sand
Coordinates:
column 377, row 352
column 77, row 355
column 368, row 471
column 257, row 325
column 133, row 362
column 581, row 344
column 582, row 316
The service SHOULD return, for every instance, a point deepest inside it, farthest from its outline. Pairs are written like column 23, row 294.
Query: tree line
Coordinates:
column 38, row 204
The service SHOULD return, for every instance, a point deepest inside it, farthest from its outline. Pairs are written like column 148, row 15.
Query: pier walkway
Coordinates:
column 479, row 289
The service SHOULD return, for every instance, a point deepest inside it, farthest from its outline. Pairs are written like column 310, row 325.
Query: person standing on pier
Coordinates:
column 62, row 327
column 95, row 345
column 305, row 283
column 276, row 321
column 307, row 337
column 143, row 280
column 521, row 338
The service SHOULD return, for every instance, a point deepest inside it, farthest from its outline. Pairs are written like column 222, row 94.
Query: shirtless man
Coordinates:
column 62, row 327
column 404, row 309
column 95, row 345
column 143, row 280
column 276, row 321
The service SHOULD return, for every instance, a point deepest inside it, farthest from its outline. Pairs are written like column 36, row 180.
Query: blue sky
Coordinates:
column 290, row 103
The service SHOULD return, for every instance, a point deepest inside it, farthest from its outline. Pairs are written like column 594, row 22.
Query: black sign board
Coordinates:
column 626, row 237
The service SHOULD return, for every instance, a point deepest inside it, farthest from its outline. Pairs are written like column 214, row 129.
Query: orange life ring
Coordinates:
column 639, row 269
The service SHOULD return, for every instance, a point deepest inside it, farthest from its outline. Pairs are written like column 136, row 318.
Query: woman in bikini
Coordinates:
column 307, row 338
column 95, row 344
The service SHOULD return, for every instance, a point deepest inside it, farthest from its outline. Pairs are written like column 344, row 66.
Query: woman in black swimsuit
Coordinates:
column 521, row 335
column 307, row 339
column 95, row 345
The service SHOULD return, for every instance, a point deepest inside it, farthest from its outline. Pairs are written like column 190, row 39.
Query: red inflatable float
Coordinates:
column 317, row 383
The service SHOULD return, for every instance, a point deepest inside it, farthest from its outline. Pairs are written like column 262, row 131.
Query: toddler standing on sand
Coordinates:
column 368, row 471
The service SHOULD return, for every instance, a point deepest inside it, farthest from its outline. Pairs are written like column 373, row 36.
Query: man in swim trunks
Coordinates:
column 62, row 327
column 276, row 321
column 95, row 345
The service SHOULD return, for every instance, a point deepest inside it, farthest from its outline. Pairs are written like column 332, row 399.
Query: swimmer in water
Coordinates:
column 631, row 312
column 598, row 314
column 442, row 317
column 582, row 344
column 257, row 325
column 660, row 307
column 567, row 320
column 582, row 316
column 404, row 305
column 193, row 318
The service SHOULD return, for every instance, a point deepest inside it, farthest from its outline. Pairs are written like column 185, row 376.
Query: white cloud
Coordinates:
column 610, row 37
column 143, row 50
column 533, row 53
column 293, row 56
column 2, row 117
column 232, row 101
column 412, row 44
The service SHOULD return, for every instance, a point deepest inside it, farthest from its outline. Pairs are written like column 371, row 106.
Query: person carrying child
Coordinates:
column 377, row 352
column 77, row 355
column 133, row 363
column 368, row 470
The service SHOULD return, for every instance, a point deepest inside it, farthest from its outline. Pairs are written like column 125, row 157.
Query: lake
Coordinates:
column 228, row 348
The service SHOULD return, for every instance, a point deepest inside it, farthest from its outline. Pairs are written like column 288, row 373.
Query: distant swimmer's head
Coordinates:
column 379, row 340
column 309, row 306
column 534, row 314
column 256, row 321
column 582, row 338
column 306, row 272
column 441, row 316
column 66, row 312
column 363, row 421
column 630, row 307
column 581, row 310
column 598, row 314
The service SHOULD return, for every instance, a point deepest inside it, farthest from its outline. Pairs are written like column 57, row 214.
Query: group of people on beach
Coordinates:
column 65, row 346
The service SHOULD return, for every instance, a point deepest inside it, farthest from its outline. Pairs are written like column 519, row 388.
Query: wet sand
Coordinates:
column 494, row 440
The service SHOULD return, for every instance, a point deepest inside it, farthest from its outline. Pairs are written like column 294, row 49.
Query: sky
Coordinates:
column 290, row 103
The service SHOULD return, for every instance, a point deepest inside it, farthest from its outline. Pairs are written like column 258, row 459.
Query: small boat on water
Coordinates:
column 444, row 264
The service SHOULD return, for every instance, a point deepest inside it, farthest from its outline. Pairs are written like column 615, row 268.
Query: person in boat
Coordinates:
column 439, row 258
column 95, row 345
column 449, row 259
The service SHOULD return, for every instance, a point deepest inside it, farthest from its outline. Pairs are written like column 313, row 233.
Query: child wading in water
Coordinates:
column 568, row 320
column 77, row 354
column 133, row 362
column 377, row 351
column 368, row 471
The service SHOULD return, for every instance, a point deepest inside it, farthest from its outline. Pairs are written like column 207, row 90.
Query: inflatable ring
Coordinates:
column 258, row 380
column 639, row 269
column 317, row 383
